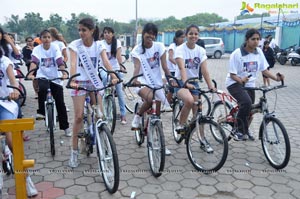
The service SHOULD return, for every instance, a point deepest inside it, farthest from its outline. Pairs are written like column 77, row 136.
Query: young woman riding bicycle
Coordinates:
column 85, row 55
column 245, row 64
column 148, row 58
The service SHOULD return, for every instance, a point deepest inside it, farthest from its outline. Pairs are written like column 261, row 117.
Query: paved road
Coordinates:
column 246, row 173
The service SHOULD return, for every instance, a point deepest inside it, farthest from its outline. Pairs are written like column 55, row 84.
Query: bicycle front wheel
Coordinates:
column 206, row 153
column 275, row 142
column 156, row 149
column 206, row 104
column 50, row 116
column 110, row 112
column 107, row 158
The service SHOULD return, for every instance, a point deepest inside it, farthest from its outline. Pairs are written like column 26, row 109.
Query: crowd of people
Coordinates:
column 184, row 58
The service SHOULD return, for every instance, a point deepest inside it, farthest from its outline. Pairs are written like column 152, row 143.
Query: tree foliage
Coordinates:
column 33, row 23
column 248, row 16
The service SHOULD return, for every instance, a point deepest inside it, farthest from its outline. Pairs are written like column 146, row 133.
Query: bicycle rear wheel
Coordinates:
column 156, row 148
column 220, row 113
column 206, row 153
column 110, row 112
column 107, row 158
column 175, row 121
column 139, row 133
column 206, row 104
column 50, row 116
column 275, row 142
column 131, row 99
column 22, row 98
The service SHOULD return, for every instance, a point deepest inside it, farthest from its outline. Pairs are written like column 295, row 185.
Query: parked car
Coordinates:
column 214, row 46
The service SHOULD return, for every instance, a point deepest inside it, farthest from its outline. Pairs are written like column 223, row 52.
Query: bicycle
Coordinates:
column 19, row 76
column 153, row 130
column 272, row 132
column 109, row 103
column 206, row 153
column 50, row 110
column 96, row 131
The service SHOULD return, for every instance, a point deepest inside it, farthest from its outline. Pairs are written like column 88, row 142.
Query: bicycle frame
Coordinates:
column 50, row 102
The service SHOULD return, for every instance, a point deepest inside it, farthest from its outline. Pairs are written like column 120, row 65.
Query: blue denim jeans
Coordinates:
column 5, row 114
column 119, row 91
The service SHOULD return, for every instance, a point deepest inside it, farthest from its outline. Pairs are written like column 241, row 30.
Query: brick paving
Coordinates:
column 246, row 173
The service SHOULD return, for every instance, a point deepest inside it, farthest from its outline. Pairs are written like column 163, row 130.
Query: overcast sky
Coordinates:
column 125, row 10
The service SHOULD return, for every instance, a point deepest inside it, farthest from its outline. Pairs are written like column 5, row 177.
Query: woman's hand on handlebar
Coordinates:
column 189, row 86
column 14, row 95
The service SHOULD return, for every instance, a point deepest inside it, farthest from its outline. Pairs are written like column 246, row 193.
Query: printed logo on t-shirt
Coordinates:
column 93, row 59
column 192, row 63
column 48, row 62
column 1, row 77
column 251, row 66
column 154, row 61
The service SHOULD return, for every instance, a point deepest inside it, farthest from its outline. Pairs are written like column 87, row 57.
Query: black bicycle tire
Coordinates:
column 224, row 154
column 104, row 130
column 139, row 134
column 175, row 116
column 23, row 95
column 286, row 141
column 127, row 106
column 158, row 125
column 203, row 95
column 50, row 109
column 216, row 105
column 110, row 100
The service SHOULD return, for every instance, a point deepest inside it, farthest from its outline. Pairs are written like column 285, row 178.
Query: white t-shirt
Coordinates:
column 60, row 44
column 11, row 106
column 93, row 51
column 172, row 67
column 193, row 59
column 248, row 64
column 152, row 56
column 48, row 67
column 113, row 60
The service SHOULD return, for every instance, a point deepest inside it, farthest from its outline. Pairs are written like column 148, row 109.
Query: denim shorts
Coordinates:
column 5, row 114
column 193, row 92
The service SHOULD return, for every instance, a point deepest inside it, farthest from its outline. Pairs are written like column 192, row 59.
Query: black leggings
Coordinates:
column 58, row 95
column 245, row 98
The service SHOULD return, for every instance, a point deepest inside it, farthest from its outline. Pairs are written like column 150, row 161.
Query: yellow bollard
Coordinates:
column 20, row 165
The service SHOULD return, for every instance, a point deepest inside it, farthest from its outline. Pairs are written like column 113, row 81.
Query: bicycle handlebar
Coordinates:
column 86, row 89
column 192, row 79
column 43, row 78
column 13, row 87
column 130, row 84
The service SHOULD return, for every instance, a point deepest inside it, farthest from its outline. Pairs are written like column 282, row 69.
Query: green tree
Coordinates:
column 55, row 21
column 33, row 23
column 248, row 16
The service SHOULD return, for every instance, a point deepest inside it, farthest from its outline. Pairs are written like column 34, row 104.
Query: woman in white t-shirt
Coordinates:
column 47, row 58
column 177, row 41
column 56, row 40
column 113, row 51
column 245, row 64
column 95, row 52
column 191, row 59
column 149, row 56
column 9, row 109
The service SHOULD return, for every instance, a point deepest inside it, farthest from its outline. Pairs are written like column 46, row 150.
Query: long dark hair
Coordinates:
column 3, row 43
column 89, row 23
column 148, row 28
column 113, row 50
column 178, row 34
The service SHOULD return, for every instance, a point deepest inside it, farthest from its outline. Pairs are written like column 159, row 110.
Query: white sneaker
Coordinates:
column 30, row 188
column 73, row 162
column 206, row 146
column 39, row 116
column 68, row 133
column 168, row 152
column 135, row 124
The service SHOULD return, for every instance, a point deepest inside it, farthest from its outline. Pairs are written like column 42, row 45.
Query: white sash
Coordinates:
column 147, row 74
column 89, row 67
